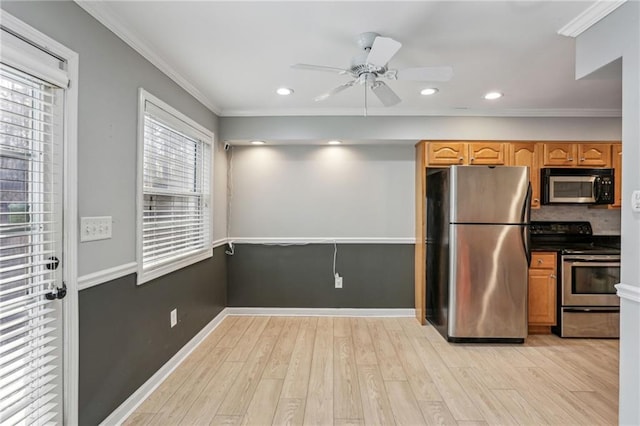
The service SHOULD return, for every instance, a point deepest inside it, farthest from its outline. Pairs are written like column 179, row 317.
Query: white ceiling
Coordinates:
column 233, row 55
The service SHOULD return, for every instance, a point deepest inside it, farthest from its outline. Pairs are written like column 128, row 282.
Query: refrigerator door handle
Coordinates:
column 526, row 218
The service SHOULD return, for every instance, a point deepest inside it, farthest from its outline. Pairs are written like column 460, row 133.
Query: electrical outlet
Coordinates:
column 95, row 228
column 338, row 281
column 174, row 317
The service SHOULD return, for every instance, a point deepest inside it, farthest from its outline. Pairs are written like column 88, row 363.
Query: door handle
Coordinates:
column 57, row 293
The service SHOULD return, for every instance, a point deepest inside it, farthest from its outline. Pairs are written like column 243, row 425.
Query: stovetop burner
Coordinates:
column 572, row 238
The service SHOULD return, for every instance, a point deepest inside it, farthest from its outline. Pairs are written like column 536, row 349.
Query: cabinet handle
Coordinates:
column 537, row 200
column 539, row 261
column 552, row 276
column 570, row 159
column 460, row 159
column 473, row 159
column 582, row 159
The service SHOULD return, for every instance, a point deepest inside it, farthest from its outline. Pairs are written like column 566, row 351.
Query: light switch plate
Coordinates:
column 635, row 201
column 95, row 228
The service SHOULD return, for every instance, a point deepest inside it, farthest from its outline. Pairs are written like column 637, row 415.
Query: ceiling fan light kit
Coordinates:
column 371, row 64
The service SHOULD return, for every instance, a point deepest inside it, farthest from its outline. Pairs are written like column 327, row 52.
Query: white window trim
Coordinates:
column 189, row 259
column 70, row 207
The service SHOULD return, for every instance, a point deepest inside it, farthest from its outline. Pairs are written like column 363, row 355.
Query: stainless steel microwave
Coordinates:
column 577, row 186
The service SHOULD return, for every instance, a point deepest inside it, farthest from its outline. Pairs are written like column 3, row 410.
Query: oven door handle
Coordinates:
column 593, row 263
column 595, row 309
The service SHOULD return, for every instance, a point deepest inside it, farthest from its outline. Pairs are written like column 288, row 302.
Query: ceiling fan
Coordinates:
column 370, row 65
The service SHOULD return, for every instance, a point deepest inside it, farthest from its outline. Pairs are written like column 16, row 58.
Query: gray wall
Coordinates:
column 618, row 35
column 322, row 192
column 301, row 276
column 125, row 336
column 124, row 329
column 110, row 74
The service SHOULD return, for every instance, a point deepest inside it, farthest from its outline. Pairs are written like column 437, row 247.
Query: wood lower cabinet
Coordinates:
column 542, row 292
column 616, row 163
column 526, row 154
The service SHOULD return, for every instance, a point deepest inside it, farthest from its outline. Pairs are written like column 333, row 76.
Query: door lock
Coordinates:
column 53, row 264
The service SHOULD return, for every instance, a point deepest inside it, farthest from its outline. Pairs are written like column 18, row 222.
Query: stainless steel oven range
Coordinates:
column 589, row 267
column 589, row 304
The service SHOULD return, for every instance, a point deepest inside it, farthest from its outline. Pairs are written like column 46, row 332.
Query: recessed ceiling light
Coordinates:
column 334, row 142
column 284, row 91
column 493, row 95
column 429, row 91
column 258, row 142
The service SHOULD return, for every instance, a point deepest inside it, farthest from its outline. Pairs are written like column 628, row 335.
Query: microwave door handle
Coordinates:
column 596, row 189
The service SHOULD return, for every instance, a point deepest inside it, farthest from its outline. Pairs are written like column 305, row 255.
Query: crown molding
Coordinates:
column 99, row 10
column 355, row 112
column 589, row 17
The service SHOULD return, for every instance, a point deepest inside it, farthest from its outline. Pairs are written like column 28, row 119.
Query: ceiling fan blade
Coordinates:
column 382, row 51
column 387, row 96
column 334, row 91
column 319, row 68
column 425, row 74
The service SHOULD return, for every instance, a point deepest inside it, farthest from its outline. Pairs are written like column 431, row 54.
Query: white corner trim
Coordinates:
column 589, row 17
column 325, row 312
column 322, row 240
column 120, row 414
column 220, row 242
column 99, row 10
column 105, row 275
column 629, row 292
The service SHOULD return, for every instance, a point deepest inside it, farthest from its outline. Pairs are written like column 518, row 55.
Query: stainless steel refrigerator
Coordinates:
column 478, row 252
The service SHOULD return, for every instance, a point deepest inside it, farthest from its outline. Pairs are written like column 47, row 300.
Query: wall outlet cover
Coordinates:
column 338, row 281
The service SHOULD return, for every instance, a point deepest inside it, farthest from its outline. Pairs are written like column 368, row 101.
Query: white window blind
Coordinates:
column 176, row 180
column 30, row 235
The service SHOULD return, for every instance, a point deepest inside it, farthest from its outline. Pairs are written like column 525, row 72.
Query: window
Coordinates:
column 174, row 202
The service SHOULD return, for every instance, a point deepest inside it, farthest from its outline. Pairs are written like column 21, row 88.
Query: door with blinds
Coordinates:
column 31, row 287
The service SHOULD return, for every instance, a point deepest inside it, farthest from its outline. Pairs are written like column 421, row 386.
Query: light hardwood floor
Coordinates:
column 356, row 371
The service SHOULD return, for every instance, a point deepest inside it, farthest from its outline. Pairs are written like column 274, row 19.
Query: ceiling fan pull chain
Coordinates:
column 365, row 99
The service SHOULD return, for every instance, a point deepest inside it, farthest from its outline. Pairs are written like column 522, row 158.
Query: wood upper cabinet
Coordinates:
column 526, row 154
column 558, row 154
column 446, row 153
column 616, row 163
column 487, row 153
column 594, row 154
column 582, row 154
column 542, row 289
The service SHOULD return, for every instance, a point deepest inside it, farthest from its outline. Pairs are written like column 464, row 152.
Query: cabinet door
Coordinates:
column 446, row 153
column 594, row 154
column 526, row 154
column 616, row 163
column 487, row 153
column 542, row 297
column 558, row 154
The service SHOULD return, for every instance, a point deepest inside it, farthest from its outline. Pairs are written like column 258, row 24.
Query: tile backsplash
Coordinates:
column 603, row 221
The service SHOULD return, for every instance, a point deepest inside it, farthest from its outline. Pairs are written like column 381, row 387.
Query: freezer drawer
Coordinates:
column 488, row 284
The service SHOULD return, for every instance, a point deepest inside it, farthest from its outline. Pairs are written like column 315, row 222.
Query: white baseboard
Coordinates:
column 127, row 408
column 106, row 275
column 330, row 312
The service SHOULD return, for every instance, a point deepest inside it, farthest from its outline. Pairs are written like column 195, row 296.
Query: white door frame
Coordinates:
column 70, row 212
